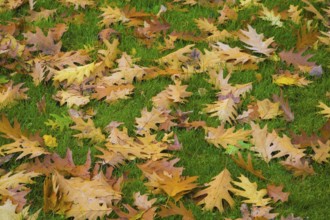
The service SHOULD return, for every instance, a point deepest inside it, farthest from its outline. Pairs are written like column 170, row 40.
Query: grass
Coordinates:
column 309, row 198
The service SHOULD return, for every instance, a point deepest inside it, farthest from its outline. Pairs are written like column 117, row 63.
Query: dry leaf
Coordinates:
column 249, row 190
column 276, row 193
column 247, row 165
column 255, row 41
column 216, row 192
column 223, row 137
column 325, row 109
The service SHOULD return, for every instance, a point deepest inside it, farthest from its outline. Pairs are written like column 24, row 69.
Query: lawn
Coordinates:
column 170, row 103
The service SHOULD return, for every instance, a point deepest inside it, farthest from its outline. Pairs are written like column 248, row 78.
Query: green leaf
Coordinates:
column 60, row 122
column 231, row 149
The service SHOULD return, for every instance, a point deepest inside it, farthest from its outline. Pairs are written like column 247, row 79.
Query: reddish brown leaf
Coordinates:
column 288, row 114
column 296, row 59
column 276, row 193
column 43, row 43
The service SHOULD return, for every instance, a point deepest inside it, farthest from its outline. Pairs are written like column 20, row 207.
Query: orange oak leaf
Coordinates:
column 176, row 210
column 247, row 165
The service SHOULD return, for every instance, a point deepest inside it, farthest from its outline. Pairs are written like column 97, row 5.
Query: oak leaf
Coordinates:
column 174, row 185
column 289, row 79
column 225, row 110
column 54, row 162
column 10, row 94
column 177, row 93
column 7, row 211
column 22, row 144
column 297, row 59
column 268, row 109
column 79, row 198
column 298, row 165
column 145, row 208
column 325, row 109
column 176, row 210
column 295, row 14
column 247, row 165
column 74, row 75
column 276, row 193
column 112, row 15
column 217, row 192
column 41, row 42
column 112, row 93
column 223, row 137
column 270, row 145
column 149, row 120
column 146, row 147
column 249, row 190
column 87, row 129
column 269, row 15
column 288, row 114
column 255, row 41
column 72, row 97
column 322, row 153
column 257, row 213
column 13, row 187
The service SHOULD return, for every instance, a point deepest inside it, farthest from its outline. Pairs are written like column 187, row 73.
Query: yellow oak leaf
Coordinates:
column 223, row 137
column 149, row 120
column 285, row 80
column 177, row 92
column 322, row 153
column 8, row 212
column 268, row 109
column 250, row 191
column 22, row 144
column 88, row 130
column 74, row 75
column 325, row 111
column 216, row 192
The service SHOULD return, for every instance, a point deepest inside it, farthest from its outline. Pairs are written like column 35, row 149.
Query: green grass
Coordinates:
column 309, row 197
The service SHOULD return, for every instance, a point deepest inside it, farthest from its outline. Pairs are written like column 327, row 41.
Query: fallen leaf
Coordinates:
column 276, row 193
column 216, row 192
column 249, row 190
